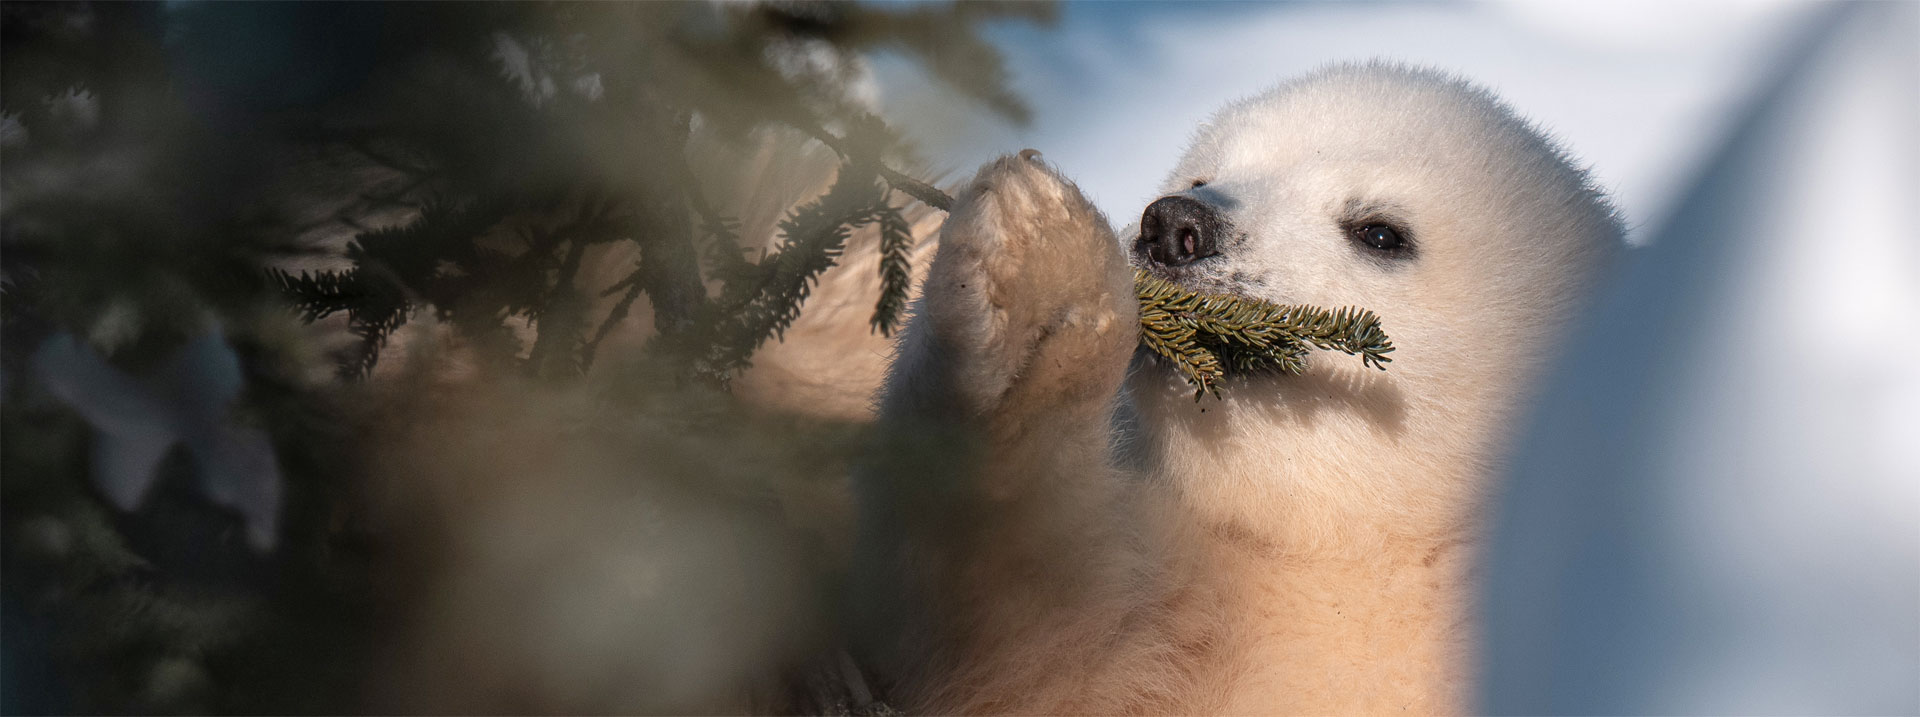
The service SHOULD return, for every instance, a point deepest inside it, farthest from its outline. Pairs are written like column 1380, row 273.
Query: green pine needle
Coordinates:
column 1206, row 336
column 896, row 269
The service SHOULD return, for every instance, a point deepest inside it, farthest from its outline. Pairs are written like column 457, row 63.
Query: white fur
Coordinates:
column 1093, row 540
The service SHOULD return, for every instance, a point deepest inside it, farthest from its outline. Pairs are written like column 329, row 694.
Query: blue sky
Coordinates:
column 1639, row 90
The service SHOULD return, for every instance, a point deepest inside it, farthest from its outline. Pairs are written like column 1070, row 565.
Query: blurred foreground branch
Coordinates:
column 197, row 520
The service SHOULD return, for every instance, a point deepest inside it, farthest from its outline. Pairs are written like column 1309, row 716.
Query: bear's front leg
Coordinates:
column 993, row 522
column 1025, row 327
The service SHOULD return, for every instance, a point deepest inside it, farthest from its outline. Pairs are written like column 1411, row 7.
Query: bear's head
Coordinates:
column 1400, row 190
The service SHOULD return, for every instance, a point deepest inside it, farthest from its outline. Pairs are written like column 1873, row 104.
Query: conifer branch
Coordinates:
column 763, row 303
column 614, row 316
column 724, row 254
column 896, row 269
column 926, row 193
column 1206, row 336
column 317, row 295
column 669, row 259
column 559, row 318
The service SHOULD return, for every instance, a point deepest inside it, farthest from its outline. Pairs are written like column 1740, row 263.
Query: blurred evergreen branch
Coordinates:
column 896, row 239
column 729, row 70
column 164, row 162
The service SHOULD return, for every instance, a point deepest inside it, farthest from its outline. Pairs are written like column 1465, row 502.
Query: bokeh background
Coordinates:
column 1642, row 91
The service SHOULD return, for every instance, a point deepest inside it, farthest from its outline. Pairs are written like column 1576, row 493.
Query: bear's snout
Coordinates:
column 1177, row 230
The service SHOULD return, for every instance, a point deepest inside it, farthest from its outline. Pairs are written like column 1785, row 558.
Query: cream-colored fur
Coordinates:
column 1093, row 540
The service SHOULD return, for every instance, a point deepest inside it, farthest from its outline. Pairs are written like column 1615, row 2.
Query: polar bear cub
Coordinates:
column 1057, row 526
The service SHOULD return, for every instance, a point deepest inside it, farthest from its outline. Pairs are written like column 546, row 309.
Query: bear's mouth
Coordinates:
column 1206, row 336
column 1211, row 275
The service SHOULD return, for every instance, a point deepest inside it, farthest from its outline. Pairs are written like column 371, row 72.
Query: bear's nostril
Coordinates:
column 1178, row 230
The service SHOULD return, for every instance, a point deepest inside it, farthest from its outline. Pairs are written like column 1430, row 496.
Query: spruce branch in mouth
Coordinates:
column 1204, row 337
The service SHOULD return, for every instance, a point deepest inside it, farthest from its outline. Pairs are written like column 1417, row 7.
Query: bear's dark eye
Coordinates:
column 1380, row 232
column 1198, row 183
column 1379, row 236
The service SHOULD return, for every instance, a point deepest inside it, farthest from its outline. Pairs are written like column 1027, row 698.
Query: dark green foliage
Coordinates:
column 767, row 298
column 553, row 150
column 178, row 170
column 896, row 270
column 433, row 256
column 1206, row 336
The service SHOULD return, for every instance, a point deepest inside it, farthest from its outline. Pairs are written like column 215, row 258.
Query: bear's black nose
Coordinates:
column 1178, row 230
